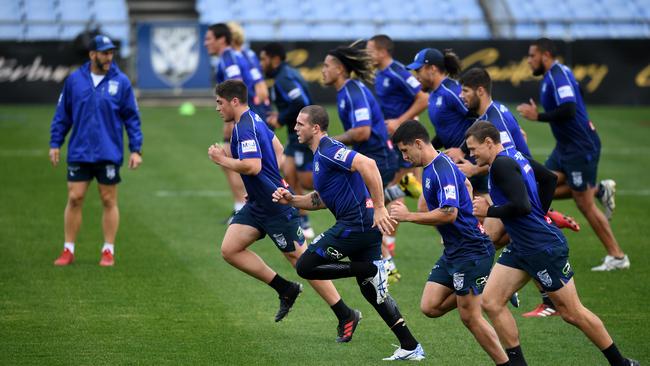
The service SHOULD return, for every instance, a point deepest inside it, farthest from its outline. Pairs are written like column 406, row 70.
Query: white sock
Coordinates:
column 109, row 247
column 69, row 246
column 239, row 205
column 389, row 239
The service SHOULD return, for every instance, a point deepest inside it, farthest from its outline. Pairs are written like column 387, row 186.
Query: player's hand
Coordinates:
column 528, row 110
column 383, row 222
column 399, row 211
column 466, row 167
column 480, row 206
column 282, row 196
column 216, row 153
column 135, row 160
column 272, row 120
column 392, row 125
column 455, row 153
column 54, row 156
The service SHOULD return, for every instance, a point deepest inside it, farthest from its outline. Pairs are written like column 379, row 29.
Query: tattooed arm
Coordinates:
column 310, row 201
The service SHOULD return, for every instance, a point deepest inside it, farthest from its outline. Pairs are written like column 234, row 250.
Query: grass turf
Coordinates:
column 171, row 299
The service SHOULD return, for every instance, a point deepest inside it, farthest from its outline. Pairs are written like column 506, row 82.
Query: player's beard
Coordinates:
column 538, row 71
column 474, row 104
column 100, row 66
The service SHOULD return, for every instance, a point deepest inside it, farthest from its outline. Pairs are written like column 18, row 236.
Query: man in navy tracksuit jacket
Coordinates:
column 96, row 103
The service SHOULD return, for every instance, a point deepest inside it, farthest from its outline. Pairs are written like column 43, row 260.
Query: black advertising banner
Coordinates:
column 609, row 71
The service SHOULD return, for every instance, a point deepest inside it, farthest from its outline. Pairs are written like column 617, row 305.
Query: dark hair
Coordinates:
column 409, row 131
column 230, row 89
column 451, row 63
column 275, row 49
column 545, row 45
column 384, row 42
column 317, row 116
column 355, row 60
column 221, row 30
column 481, row 130
column 475, row 77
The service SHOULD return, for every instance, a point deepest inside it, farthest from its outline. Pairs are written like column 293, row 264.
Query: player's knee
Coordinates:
column 304, row 268
column 431, row 311
column 109, row 201
column 75, row 199
column 490, row 305
column 228, row 253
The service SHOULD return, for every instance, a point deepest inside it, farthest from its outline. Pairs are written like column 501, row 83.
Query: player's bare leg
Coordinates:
column 111, row 215
column 596, row 218
column 72, row 216
column 469, row 309
column 234, row 249
column 437, row 300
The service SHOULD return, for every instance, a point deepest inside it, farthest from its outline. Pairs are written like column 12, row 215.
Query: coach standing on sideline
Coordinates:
column 97, row 101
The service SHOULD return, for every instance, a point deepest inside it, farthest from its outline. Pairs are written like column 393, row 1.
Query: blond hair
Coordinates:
column 237, row 33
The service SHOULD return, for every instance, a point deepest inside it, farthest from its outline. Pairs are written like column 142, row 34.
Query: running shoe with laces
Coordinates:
column 541, row 311
column 66, row 258
column 405, row 355
column 287, row 300
column 346, row 328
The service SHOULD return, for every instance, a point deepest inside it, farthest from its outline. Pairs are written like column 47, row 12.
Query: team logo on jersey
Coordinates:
column 316, row 167
column 112, row 86
column 386, row 82
column 545, row 278
column 248, row 146
column 543, row 87
column 459, row 280
column 334, row 253
column 427, row 183
column 450, row 192
column 503, row 108
column 439, row 101
column 341, row 154
column 342, row 104
column 175, row 53
column 110, row 171
column 280, row 240
column 577, row 178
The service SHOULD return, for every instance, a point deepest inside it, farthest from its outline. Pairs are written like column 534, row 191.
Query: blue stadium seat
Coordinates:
column 260, row 31
column 294, row 31
column 75, row 11
column 111, row 11
column 70, row 31
column 10, row 11
column 329, row 31
column 11, row 32
column 40, row 11
column 38, row 32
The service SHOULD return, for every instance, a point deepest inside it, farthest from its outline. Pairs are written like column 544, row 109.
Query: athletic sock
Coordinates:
column 406, row 339
column 341, row 310
column 69, row 246
column 279, row 284
column 547, row 300
column 109, row 247
column 614, row 356
column 516, row 356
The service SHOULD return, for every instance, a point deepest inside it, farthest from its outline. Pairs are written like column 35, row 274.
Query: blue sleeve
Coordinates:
column 131, row 118
column 62, row 120
column 293, row 94
column 409, row 83
column 359, row 107
column 248, row 144
column 563, row 89
column 339, row 157
column 448, row 185
column 454, row 102
column 231, row 68
column 518, row 138
column 254, row 67
column 428, row 190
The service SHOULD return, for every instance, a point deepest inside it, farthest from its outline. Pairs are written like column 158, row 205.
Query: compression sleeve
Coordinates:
column 506, row 175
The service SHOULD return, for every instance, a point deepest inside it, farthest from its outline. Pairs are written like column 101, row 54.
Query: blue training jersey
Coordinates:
column 448, row 113
column 342, row 191
column 533, row 232
column 290, row 94
column 576, row 136
column 252, row 139
column 508, row 127
column 357, row 108
column 444, row 185
column 234, row 65
column 395, row 88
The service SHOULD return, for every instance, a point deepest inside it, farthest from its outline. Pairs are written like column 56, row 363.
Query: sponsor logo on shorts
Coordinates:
column 577, row 178
column 567, row 269
column 299, row 232
column 110, row 171
column 481, row 281
column 280, row 240
column 459, row 280
column 334, row 253
column 545, row 278
column 316, row 239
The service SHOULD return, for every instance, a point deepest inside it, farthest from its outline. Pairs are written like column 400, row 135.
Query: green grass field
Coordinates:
column 171, row 299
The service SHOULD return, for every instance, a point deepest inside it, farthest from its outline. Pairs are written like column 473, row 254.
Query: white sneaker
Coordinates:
column 612, row 263
column 380, row 281
column 608, row 199
column 403, row 355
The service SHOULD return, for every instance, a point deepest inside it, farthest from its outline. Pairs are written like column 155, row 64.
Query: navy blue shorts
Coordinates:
column 284, row 230
column 301, row 154
column 106, row 172
column 463, row 276
column 549, row 267
column 339, row 242
column 580, row 171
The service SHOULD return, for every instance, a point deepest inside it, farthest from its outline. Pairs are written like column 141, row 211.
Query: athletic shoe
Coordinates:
column 107, row 259
column 608, row 197
column 541, row 311
column 514, row 299
column 346, row 328
column 563, row 221
column 307, row 230
column 611, row 263
column 404, row 355
column 287, row 300
column 65, row 258
column 410, row 185
column 379, row 280
column 394, row 276
column 631, row 362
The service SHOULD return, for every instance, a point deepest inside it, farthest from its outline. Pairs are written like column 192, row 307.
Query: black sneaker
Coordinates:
column 287, row 300
column 346, row 328
column 631, row 362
